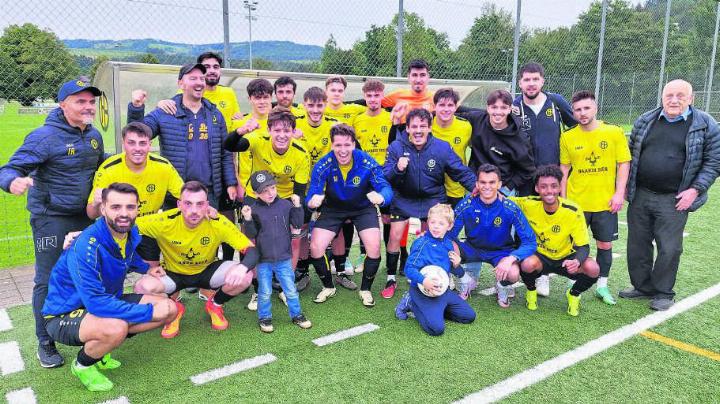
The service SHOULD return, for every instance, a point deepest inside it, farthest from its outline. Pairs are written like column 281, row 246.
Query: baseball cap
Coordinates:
column 187, row 68
column 261, row 180
column 75, row 86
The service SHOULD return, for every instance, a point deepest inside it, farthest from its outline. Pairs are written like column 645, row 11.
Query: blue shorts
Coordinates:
column 472, row 254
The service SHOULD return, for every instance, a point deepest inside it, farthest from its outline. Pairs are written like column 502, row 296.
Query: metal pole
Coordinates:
column 516, row 47
column 632, row 97
column 250, row 36
column 664, row 51
column 226, row 33
column 400, row 27
column 712, row 60
column 601, row 48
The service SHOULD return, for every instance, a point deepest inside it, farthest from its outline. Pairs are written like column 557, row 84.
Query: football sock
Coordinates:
column 582, row 283
column 84, row 360
column 530, row 278
column 371, row 267
column 391, row 261
column 322, row 270
column 604, row 260
column 221, row 297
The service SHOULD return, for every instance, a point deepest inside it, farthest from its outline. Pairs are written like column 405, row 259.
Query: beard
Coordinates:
column 532, row 97
column 212, row 81
column 122, row 229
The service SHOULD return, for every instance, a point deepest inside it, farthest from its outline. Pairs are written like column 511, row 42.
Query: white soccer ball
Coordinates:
column 440, row 276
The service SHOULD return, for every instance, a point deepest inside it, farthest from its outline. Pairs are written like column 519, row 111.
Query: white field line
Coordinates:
column 345, row 334
column 28, row 237
column 548, row 368
column 622, row 223
column 232, row 369
column 23, row 396
column 10, row 358
column 5, row 323
column 119, row 400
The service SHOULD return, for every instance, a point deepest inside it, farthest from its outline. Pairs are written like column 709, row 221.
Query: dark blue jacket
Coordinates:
column 91, row 273
column 489, row 227
column 173, row 133
column 544, row 129
column 62, row 161
column 428, row 250
column 350, row 194
column 422, row 184
column 272, row 223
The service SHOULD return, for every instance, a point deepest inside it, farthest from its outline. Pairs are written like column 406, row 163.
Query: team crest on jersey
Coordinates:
column 603, row 145
column 150, row 188
column 324, row 141
column 556, row 229
column 222, row 104
column 498, row 221
column 384, row 129
column 92, row 240
column 94, row 143
column 592, row 158
column 287, row 169
column 431, row 163
column 205, row 240
column 456, row 140
column 549, row 112
column 346, row 116
column 356, row 180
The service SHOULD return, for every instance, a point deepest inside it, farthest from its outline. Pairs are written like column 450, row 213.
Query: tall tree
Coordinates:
column 486, row 52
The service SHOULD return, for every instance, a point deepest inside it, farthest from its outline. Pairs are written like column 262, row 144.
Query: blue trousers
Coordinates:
column 286, row 276
column 431, row 312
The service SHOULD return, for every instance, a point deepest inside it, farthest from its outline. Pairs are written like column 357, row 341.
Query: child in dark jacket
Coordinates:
column 434, row 248
column 273, row 218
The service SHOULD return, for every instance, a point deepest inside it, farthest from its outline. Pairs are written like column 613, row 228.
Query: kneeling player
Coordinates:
column 349, row 184
column 86, row 306
column 434, row 248
column 189, row 243
column 562, row 239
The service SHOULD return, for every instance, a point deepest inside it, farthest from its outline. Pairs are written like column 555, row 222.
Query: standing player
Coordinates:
column 562, row 240
column 285, row 88
column 489, row 223
column 152, row 176
column 335, row 87
column 55, row 165
column 544, row 116
column 347, row 183
column 417, row 96
column 599, row 157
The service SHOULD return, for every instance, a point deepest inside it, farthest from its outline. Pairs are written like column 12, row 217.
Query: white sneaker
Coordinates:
column 367, row 299
column 252, row 304
column 542, row 284
column 325, row 294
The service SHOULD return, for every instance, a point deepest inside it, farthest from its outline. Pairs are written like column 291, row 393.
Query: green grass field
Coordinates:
column 399, row 363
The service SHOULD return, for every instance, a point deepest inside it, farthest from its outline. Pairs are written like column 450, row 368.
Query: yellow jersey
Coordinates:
column 189, row 251
column 291, row 167
column 346, row 113
column 593, row 156
column 457, row 134
column 315, row 139
column 244, row 158
column 558, row 233
column 157, row 179
column 225, row 100
column 372, row 134
column 298, row 111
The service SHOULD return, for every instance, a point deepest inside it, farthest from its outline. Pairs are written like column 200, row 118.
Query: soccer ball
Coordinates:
column 437, row 273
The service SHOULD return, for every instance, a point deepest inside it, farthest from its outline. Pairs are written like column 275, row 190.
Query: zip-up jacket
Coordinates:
column 428, row 250
column 489, row 227
column 273, row 222
column 422, row 184
column 348, row 194
column 90, row 275
column 62, row 161
column 544, row 129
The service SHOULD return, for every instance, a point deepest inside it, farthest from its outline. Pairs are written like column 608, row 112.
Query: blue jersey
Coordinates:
column 348, row 194
column 489, row 227
column 544, row 129
column 428, row 250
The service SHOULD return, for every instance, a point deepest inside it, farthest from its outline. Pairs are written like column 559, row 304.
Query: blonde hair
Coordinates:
column 443, row 210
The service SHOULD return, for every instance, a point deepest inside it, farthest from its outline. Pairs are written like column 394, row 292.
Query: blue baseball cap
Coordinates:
column 75, row 86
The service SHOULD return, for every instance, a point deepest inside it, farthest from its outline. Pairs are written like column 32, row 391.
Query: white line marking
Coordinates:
column 345, row 334
column 622, row 223
column 28, row 237
column 548, row 368
column 232, row 368
column 5, row 323
column 119, row 400
column 685, row 234
column 10, row 358
column 23, row 396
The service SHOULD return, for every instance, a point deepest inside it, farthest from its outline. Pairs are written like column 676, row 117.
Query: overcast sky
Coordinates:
column 301, row 21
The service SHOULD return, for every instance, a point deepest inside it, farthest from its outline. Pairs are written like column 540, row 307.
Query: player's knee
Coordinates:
column 148, row 285
column 466, row 317
column 604, row 245
column 530, row 264
column 591, row 268
column 435, row 329
column 114, row 330
column 172, row 311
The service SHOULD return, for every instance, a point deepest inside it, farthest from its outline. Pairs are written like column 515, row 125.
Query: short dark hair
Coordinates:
column 446, row 93
column 582, row 95
column 283, row 81
column 315, row 94
column 342, row 130
column 137, row 127
column 258, row 87
column 502, row 95
column 336, row 79
column 210, row 55
column 532, row 67
column 373, row 85
column 418, row 64
column 421, row 113
column 194, row 186
column 280, row 115
column 550, row 170
column 487, row 169
column 120, row 187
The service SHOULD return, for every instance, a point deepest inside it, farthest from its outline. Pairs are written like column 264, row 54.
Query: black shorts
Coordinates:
column 604, row 225
column 65, row 328
column 333, row 220
column 198, row 280
column 148, row 249
column 551, row 266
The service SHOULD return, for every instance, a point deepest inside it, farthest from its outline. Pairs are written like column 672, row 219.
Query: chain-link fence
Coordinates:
column 46, row 42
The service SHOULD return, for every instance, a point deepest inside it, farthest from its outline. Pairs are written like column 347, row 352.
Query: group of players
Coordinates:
column 287, row 184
